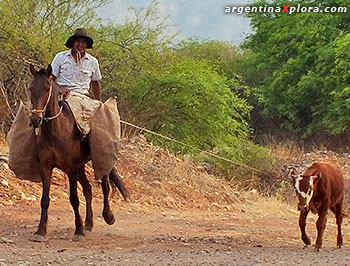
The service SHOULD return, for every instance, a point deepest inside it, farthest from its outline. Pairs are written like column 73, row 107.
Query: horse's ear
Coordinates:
column 49, row 70
column 32, row 70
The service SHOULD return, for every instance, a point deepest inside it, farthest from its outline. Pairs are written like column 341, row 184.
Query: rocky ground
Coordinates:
column 178, row 214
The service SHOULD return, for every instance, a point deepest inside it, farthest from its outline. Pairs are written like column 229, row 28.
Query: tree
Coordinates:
column 33, row 32
column 289, row 54
column 199, row 101
column 193, row 97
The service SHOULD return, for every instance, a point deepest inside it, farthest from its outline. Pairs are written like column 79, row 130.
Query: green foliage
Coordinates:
column 336, row 118
column 33, row 32
column 302, row 68
column 225, row 59
column 190, row 102
column 190, row 92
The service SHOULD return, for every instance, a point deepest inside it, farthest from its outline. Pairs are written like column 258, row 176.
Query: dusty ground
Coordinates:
column 178, row 214
column 147, row 236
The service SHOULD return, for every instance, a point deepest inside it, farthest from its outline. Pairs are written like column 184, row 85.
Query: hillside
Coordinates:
column 154, row 177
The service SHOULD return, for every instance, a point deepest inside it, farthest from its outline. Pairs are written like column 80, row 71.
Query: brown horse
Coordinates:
column 59, row 144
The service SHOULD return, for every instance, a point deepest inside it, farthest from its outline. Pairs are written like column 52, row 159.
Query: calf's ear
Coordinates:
column 292, row 173
column 294, row 176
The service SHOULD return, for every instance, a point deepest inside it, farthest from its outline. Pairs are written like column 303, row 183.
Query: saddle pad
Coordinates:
column 83, row 109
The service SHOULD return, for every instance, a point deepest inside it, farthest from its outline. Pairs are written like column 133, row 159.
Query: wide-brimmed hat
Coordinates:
column 79, row 33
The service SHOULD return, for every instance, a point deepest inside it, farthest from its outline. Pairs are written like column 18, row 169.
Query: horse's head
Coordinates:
column 40, row 94
column 304, row 188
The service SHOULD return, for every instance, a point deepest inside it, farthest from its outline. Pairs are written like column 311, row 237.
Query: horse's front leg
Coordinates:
column 40, row 234
column 74, row 201
column 302, row 225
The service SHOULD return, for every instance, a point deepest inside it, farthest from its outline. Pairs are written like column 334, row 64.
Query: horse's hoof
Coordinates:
column 317, row 249
column 37, row 238
column 109, row 218
column 306, row 246
column 110, row 221
column 88, row 228
column 78, row 238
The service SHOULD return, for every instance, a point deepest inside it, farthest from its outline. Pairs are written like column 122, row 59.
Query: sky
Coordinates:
column 204, row 19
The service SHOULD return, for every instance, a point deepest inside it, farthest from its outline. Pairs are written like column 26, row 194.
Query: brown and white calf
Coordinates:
column 319, row 188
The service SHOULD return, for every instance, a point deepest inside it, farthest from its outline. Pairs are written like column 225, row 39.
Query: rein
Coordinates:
column 55, row 116
column 42, row 111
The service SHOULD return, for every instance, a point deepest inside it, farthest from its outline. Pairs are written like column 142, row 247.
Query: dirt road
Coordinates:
column 147, row 236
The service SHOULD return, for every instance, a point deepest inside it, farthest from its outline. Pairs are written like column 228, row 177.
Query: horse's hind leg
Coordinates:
column 88, row 197
column 74, row 201
column 39, row 235
column 107, row 214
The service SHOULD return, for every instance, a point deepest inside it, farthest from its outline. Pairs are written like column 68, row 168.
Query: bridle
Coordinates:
column 41, row 112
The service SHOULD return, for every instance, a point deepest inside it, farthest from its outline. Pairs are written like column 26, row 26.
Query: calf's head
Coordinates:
column 304, row 188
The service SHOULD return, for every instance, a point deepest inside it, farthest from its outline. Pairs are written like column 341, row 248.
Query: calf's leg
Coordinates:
column 302, row 225
column 339, row 219
column 321, row 225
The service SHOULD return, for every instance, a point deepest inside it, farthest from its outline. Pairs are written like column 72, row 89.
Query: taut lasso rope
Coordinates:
column 189, row 146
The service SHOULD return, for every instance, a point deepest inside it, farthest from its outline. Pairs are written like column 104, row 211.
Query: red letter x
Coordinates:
column 285, row 8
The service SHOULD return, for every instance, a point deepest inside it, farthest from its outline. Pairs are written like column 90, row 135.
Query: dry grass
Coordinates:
column 283, row 150
column 159, row 175
column 273, row 205
column 163, row 178
column 261, row 206
column 3, row 144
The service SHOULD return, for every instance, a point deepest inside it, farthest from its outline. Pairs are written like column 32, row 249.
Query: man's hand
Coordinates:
column 96, row 89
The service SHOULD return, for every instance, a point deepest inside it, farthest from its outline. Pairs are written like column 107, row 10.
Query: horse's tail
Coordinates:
column 115, row 180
